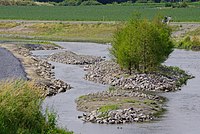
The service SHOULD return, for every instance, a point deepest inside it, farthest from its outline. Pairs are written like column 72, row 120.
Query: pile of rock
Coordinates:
column 69, row 57
column 26, row 48
column 120, row 116
column 32, row 47
column 43, row 68
column 108, row 72
column 54, row 86
column 51, row 85
column 23, row 51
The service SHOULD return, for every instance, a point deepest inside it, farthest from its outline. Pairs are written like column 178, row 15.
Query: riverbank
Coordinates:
column 38, row 70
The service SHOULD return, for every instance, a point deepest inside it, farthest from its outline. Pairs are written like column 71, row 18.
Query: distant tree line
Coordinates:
column 118, row 1
column 168, row 3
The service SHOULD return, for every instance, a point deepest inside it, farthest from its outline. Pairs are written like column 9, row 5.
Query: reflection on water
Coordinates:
column 183, row 115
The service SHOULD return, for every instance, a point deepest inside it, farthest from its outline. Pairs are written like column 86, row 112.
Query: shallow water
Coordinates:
column 183, row 107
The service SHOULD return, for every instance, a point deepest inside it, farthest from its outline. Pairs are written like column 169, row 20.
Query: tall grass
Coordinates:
column 20, row 110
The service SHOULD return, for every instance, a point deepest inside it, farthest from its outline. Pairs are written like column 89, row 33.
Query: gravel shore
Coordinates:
column 37, row 70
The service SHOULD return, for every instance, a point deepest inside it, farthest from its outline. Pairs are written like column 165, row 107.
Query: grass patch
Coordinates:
column 107, row 108
column 8, row 25
column 189, row 43
column 98, row 32
column 76, row 32
column 20, row 106
column 111, row 88
column 149, row 102
column 130, row 101
column 160, row 112
column 171, row 72
column 83, row 97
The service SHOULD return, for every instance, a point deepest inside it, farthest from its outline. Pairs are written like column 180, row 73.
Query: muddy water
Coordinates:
column 183, row 115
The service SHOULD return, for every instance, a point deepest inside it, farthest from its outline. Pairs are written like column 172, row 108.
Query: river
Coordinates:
column 183, row 107
column 10, row 66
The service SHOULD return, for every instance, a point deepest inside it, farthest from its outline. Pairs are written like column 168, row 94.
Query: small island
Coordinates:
column 135, row 75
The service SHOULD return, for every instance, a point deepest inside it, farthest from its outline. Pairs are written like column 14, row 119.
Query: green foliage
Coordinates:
column 160, row 112
column 90, row 2
column 142, row 45
column 131, row 101
column 70, row 3
column 177, row 4
column 188, row 43
column 111, row 88
column 168, row 4
column 107, row 108
column 17, row 2
column 180, row 5
column 20, row 110
column 171, row 72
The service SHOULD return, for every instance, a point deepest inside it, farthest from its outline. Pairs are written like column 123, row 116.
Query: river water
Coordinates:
column 10, row 66
column 183, row 107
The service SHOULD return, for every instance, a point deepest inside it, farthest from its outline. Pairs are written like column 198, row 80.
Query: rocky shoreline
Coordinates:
column 108, row 72
column 132, row 106
column 39, row 70
column 50, row 84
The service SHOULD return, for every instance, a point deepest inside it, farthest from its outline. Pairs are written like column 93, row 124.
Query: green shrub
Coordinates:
column 17, row 2
column 183, row 4
column 90, row 2
column 70, row 3
column 20, row 110
column 141, row 45
column 168, row 4
column 188, row 43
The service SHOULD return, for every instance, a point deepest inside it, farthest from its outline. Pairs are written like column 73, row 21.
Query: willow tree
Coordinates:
column 142, row 45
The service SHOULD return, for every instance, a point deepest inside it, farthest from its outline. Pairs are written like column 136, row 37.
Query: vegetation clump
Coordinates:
column 176, row 4
column 20, row 110
column 17, row 2
column 142, row 45
column 189, row 43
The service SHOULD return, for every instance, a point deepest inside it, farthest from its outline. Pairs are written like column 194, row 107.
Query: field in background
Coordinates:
column 86, row 31
column 96, row 13
column 92, row 32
